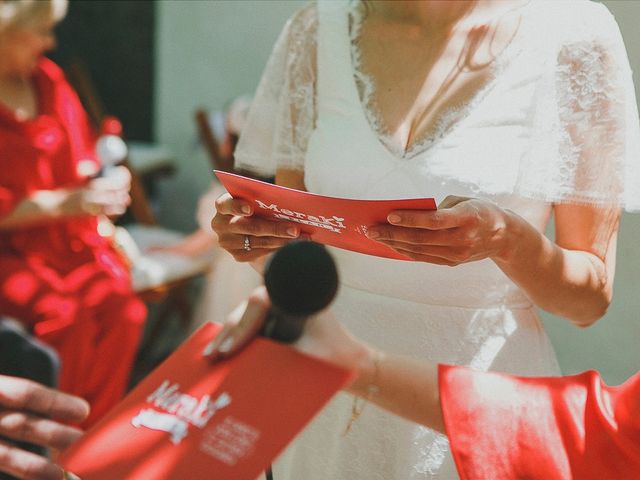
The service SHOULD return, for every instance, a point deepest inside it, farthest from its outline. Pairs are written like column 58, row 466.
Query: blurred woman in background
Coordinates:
column 58, row 275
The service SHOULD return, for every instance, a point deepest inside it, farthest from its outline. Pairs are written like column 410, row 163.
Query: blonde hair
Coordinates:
column 21, row 12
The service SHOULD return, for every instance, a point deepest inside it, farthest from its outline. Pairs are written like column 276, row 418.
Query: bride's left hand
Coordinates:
column 462, row 230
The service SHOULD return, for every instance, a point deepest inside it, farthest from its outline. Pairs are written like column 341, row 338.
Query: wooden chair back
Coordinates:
column 220, row 160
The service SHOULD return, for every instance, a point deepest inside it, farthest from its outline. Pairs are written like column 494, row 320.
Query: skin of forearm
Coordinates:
column 402, row 385
column 43, row 206
column 568, row 283
column 199, row 242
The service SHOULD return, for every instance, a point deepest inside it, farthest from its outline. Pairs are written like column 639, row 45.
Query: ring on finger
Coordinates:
column 247, row 244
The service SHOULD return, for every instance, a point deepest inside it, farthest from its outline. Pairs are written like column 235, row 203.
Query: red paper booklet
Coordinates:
column 339, row 222
column 191, row 419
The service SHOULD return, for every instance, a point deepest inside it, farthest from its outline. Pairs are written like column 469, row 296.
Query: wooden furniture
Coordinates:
column 213, row 139
column 218, row 143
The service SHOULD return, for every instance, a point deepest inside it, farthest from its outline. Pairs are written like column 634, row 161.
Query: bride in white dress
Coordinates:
column 510, row 114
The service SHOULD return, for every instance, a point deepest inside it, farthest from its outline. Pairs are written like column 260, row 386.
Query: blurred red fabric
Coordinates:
column 63, row 279
column 575, row 427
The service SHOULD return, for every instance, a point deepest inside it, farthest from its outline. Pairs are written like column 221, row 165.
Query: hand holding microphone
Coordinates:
column 107, row 193
column 110, row 147
column 301, row 280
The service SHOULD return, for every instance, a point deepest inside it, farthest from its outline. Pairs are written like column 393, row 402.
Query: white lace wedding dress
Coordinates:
column 556, row 122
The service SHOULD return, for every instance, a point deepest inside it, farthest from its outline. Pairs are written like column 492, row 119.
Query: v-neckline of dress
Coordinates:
column 446, row 124
column 42, row 101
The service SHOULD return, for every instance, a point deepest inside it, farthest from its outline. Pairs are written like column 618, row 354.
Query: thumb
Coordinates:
column 451, row 201
column 242, row 326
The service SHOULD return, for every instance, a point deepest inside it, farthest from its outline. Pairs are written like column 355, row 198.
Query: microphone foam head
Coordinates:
column 301, row 278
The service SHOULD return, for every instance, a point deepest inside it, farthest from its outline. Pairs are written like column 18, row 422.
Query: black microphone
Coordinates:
column 301, row 279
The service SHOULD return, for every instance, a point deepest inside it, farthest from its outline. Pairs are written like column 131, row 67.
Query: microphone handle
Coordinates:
column 283, row 327
column 104, row 171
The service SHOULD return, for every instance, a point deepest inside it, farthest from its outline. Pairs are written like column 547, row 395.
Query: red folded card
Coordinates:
column 192, row 419
column 339, row 222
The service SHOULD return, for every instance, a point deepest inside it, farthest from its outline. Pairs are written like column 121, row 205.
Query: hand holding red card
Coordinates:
column 339, row 222
column 191, row 419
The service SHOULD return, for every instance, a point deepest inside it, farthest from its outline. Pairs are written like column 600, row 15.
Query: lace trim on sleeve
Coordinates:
column 595, row 127
column 283, row 112
column 591, row 112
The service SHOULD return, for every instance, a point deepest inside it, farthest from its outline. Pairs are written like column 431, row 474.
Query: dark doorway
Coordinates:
column 114, row 40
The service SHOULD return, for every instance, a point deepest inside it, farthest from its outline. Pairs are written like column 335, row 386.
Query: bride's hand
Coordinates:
column 246, row 237
column 461, row 230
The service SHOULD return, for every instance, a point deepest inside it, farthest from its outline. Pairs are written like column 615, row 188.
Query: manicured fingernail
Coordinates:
column 394, row 218
column 292, row 231
column 372, row 234
column 246, row 209
column 209, row 349
column 226, row 345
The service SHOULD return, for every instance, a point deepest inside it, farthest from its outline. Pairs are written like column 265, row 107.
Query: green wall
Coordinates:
column 207, row 53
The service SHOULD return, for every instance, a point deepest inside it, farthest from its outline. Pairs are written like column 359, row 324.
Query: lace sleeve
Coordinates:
column 283, row 114
column 595, row 129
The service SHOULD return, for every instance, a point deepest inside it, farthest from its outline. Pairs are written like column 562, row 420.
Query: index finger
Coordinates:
column 227, row 205
column 27, row 427
column 22, row 394
column 428, row 219
column 119, row 175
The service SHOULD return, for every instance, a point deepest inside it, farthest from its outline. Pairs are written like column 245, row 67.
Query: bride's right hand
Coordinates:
column 246, row 237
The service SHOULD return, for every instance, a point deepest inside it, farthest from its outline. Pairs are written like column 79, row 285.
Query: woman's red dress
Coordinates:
column 62, row 279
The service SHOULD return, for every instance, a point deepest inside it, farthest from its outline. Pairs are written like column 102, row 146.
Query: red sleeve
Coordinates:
column 15, row 174
column 504, row 427
column 7, row 201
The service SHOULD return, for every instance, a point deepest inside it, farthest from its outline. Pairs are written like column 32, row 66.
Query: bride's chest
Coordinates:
column 482, row 148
